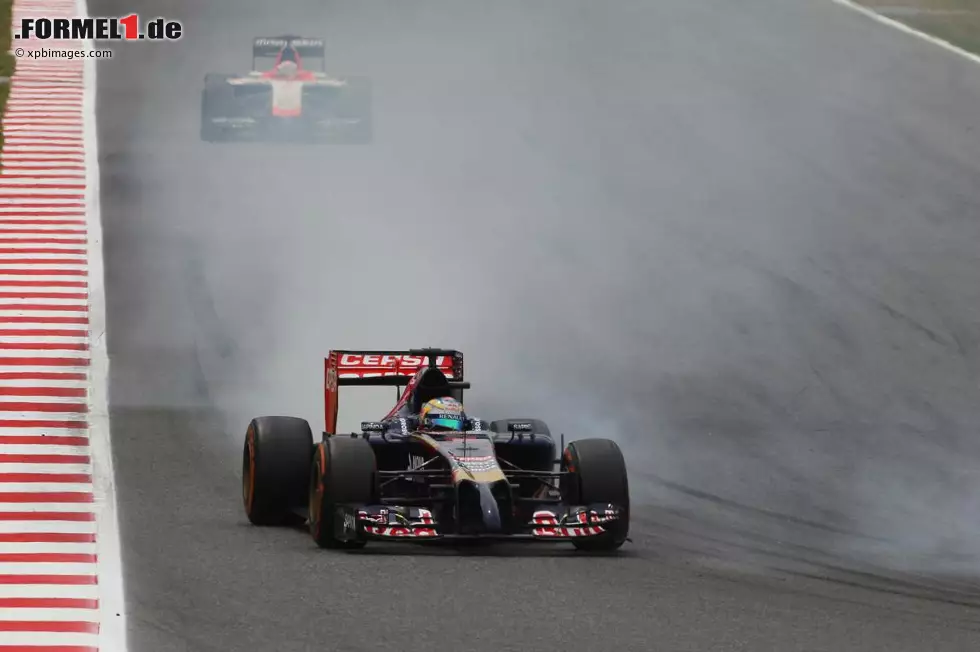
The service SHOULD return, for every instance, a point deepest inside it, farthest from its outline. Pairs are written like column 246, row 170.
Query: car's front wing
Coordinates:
column 418, row 525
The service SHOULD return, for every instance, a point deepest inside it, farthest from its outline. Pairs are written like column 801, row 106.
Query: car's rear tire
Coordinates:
column 597, row 475
column 210, row 132
column 215, row 100
column 344, row 471
column 356, row 103
column 275, row 461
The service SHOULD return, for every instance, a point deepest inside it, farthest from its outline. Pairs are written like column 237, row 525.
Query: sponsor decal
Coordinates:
column 281, row 43
column 425, row 517
column 544, row 517
column 331, row 380
column 401, row 532
column 380, row 517
column 415, row 462
column 567, row 532
column 350, row 522
column 553, row 528
column 402, row 361
column 521, row 427
column 477, row 464
column 307, row 43
column 595, row 517
column 592, row 516
column 353, row 365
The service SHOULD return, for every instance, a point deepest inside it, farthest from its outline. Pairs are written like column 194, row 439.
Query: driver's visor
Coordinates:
column 452, row 423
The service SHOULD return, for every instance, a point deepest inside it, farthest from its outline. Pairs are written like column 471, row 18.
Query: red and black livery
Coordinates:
column 505, row 479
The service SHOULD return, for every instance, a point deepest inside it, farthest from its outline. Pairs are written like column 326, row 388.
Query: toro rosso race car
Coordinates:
column 287, row 101
column 401, row 480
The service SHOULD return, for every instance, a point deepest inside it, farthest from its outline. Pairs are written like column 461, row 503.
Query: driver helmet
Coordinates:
column 444, row 413
column 288, row 68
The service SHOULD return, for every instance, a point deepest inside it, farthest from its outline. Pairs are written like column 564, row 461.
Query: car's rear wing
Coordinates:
column 307, row 48
column 382, row 369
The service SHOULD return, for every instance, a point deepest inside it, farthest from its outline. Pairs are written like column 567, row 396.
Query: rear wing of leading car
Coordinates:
column 307, row 48
column 382, row 369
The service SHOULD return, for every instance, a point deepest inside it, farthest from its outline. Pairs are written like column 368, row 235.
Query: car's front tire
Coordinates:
column 344, row 471
column 597, row 474
column 275, row 460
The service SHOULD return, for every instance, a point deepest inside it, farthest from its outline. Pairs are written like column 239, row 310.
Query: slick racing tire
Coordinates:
column 209, row 131
column 344, row 471
column 597, row 475
column 275, row 462
column 356, row 103
column 216, row 100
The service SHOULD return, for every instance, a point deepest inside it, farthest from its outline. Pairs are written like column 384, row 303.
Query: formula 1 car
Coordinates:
column 396, row 481
column 287, row 102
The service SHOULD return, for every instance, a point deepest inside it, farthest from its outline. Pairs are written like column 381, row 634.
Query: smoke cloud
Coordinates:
column 755, row 269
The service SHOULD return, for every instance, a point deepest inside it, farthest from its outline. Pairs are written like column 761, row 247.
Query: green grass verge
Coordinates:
column 955, row 21
column 7, row 61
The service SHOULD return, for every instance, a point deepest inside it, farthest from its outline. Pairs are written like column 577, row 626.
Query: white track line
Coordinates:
column 51, row 526
column 891, row 22
column 112, row 637
column 40, row 449
column 40, row 325
column 45, row 468
column 44, row 487
column 42, row 568
column 43, row 416
column 80, row 641
column 50, row 615
column 25, row 547
column 81, row 591
column 76, row 509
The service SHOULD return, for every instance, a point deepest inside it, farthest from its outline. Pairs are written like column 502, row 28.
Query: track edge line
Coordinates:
column 902, row 27
column 112, row 606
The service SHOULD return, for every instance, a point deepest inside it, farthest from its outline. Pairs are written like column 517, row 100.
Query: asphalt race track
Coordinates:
column 741, row 241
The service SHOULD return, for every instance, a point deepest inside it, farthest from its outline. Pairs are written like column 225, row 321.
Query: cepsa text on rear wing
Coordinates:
column 382, row 369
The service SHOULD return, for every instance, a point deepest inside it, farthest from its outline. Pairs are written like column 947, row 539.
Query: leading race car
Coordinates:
column 428, row 471
column 288, row 101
